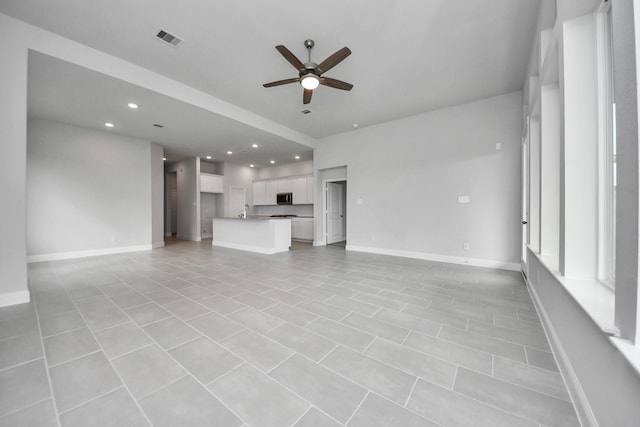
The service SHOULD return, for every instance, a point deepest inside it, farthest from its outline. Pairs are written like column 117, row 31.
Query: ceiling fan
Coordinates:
column 310, row 73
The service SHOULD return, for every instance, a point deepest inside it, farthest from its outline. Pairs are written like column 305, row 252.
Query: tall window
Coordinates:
column 607, row 152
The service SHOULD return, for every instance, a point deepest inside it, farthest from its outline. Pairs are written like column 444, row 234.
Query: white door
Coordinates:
column 237, row 200
column 336, row 224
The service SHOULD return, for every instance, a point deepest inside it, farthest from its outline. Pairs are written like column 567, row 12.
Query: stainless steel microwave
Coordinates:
column 284, row 198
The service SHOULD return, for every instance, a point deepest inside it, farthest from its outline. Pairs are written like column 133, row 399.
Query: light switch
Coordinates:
column 359, row 201
column 463, row 199
column 498, row 146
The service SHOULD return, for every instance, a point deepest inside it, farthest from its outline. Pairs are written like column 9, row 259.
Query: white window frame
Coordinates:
column 606, row 156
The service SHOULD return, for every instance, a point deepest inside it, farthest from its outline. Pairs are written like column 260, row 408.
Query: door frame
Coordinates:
column 525, row 200
column 325, row 191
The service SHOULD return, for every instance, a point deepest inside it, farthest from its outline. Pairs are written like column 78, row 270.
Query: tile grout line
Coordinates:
column 44, row 354
column 375, row 337
column 415, row 383
column 93, row 334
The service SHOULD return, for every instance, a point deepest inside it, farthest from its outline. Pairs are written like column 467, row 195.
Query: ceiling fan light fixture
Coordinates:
column 310, row 81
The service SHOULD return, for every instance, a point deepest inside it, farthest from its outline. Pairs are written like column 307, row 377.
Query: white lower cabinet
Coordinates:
column 302, row 229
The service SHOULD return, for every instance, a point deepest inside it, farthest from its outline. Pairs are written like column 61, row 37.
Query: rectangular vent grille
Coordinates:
column 174, row 41
column 305, row 111
column 158, row 125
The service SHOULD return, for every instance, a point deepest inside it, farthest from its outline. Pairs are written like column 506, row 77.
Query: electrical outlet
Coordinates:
column 204, row 231
column 466, row 246
column 113, row 238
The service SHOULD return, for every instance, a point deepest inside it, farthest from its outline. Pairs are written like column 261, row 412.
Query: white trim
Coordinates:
column 325, row 189
column 606, row 139
column 13, row 298
column 629, row 351
column 511, row 266
column 258, row 249
column 157, row 245
column 82, row 254
column 578, row 397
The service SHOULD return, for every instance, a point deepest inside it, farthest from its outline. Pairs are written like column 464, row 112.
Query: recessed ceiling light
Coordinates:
column 109, row 124
column 254, row 145
column 355, row 125
column 229, row 152
column 297, row 157
column 251, row 166
column 208, row 157
column 132, row 105
column 164, row 158
column 272, row 161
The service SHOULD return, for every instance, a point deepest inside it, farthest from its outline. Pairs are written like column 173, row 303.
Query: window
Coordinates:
column 607, row 148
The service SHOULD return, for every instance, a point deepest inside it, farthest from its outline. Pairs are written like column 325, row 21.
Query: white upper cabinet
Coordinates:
column 284, row 185
column 264, row 192
column 272, row 190
column 260, row 193
column 299, row 189
column 210, row 183
column 310, row 189
column 303, row 190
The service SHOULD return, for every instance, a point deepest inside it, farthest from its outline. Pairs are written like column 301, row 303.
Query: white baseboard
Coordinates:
column 82, row 254
column 13, row 298
column 511, row 266
column 157, row 245
column 258, row 249
column 581, row 404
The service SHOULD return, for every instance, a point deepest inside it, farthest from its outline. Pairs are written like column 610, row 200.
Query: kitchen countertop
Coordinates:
column 250, row 218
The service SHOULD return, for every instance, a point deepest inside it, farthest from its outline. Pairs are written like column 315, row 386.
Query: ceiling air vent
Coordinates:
column 305, row 111
column 158, row 125
column 174, row 41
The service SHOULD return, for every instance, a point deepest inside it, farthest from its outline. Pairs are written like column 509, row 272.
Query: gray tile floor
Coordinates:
column 192, row 335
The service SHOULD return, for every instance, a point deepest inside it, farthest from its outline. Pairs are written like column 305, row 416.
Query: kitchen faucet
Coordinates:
column 243, row 212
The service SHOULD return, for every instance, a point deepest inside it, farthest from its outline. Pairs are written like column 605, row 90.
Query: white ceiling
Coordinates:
column 409, row 57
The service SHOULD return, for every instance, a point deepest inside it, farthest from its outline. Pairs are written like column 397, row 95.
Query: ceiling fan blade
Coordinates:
column 281, row 82
column 306, row 96
column 333, row 60
column 337, row 84
column 293, row 60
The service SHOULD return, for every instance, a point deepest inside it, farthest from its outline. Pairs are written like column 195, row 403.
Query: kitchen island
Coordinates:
column 254, row 234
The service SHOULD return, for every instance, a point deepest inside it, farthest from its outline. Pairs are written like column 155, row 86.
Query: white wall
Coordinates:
column 408, row 174
column 290, row 169
column 90, row 192
column 13, row 134
column 157, row 195
column 238, row 176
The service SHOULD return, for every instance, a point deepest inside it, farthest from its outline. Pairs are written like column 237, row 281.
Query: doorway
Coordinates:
column 335, row 212
column 171, row 212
